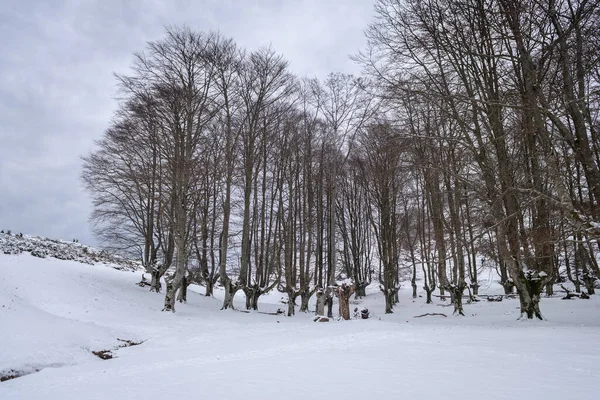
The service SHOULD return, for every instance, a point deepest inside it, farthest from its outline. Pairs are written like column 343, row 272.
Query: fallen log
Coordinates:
column 570, row 295
column 432, row 314
column 278, row 312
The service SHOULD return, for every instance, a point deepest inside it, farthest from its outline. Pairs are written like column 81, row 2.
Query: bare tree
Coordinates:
column 383, row 155
column 179, row 71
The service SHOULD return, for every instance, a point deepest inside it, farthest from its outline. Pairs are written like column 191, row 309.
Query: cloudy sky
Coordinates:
column 57, row 89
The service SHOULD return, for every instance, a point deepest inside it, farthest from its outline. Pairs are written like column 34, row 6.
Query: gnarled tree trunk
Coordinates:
column 344, row 293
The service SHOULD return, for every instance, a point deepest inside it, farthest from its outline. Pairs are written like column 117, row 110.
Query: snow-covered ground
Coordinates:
column 54, row 313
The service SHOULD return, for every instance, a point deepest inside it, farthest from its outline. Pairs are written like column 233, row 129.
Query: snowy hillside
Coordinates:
column 54, row 314
column 11, row 243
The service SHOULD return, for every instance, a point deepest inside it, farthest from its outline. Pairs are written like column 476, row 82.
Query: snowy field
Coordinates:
column 54, row 313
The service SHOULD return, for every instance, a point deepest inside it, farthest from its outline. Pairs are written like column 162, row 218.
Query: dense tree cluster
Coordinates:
column 473, row 135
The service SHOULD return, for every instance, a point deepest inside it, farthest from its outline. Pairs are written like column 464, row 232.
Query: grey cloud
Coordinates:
column 57, row 89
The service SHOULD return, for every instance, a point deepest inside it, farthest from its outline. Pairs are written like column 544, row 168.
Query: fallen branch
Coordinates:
column 435, row 313
column 506, row 296
column 571, row 295
column 129, row 343
column 278, row 312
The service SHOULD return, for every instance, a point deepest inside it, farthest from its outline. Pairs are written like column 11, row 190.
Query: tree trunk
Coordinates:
column 329, row 301
column 172, row 286
column 181, row 267
column 577, row 284
column 320, row 309
column 210, row 287
column 509, row 286
column 249, row 292
column 361, row 289
column 389, row 301
column 456, row 292
column 429, row 292
column 304, row 299
column 253, row 293
column 589, row 282
column 182, row 294
column 344, row 293
column 155, row 285
column 587, row 275
column 291, row 302
column 230, row 291
column 529, row 286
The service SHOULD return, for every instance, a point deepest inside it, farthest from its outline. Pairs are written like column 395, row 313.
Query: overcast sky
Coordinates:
column 57, row 90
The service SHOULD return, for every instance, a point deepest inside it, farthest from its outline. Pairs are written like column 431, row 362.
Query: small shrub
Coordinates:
column 38, row 253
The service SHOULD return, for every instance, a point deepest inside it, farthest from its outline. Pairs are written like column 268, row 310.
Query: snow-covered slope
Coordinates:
column 55, row 313
column 45, row 247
